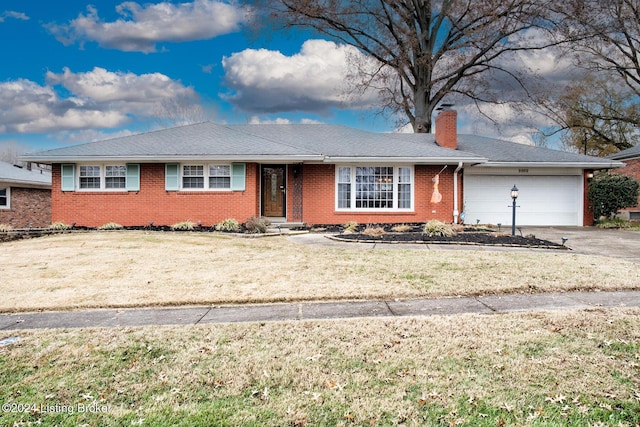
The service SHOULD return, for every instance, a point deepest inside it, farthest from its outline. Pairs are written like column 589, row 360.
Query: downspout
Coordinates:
column 456, row 213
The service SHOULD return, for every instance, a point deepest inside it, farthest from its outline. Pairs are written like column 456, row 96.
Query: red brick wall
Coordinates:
column 153, row 203
column 319, row 198
column 587, row 213
column 29, row 207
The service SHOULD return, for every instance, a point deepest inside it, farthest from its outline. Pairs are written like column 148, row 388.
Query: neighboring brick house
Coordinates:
column 25, row 196
column 314, row 174
column 631, row 160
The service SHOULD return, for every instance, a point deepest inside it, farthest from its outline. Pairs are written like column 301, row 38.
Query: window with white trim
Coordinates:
column 4, row 198
column 206, row 177
column 193, row 176
column 89, row 177
column 220, row 176
column 115, row 177
column 102, row 177
column 374, row 187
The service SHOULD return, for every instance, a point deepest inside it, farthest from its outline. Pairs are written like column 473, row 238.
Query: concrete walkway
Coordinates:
column 312, row 311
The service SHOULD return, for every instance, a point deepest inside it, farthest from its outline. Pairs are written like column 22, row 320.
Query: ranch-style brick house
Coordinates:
column 25, row 196
column 315, row 174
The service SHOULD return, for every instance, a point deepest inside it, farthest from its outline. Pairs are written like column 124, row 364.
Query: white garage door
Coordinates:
column 543, row 200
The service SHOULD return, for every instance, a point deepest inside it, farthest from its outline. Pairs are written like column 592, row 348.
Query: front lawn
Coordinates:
column 538, row 369
column 130, row 269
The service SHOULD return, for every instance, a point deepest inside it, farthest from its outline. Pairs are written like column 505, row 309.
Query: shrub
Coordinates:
column 374, row 231
column 401, row 228
column 257, row 225
column 228, row 225
column 609, row 193
column 438, row 228
column 349, row 227
column 111, row 226
column 59, row 226
column 614, row 223
column 5, row 227
column 183, row 226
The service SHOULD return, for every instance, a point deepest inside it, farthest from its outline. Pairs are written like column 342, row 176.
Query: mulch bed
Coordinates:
column 466, row 238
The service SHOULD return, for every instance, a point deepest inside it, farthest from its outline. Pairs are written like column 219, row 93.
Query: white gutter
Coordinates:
column 456, row 213
column 171, row 158
column 560, row 164
column 410, row 160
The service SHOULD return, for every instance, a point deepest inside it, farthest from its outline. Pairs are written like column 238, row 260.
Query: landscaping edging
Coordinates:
column 443, row 242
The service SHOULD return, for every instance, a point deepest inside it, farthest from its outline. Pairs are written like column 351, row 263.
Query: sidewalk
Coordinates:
column 312, row 311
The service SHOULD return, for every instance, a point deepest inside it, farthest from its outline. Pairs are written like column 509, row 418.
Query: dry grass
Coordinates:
column 126, row 269
column 558, row 368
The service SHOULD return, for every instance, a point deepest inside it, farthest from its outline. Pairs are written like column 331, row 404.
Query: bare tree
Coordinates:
column 593, row 115
column 424, row 50
column 604, row 36
column 597, row 111
column 178, row 111
column 10, row 151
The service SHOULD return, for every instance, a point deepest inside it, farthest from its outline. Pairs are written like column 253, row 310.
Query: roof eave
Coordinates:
column 577, row 165
column 410, row 160
column 171, row 158
column 25, row 184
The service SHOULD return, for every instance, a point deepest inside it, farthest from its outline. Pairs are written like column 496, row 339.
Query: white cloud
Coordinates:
column 256, row 120
column 141, row 27
column 313, row 80
column 105, row 86
column 98, row 99
column 13, row 14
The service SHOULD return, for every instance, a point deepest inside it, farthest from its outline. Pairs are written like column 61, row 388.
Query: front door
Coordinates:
column 273, row 190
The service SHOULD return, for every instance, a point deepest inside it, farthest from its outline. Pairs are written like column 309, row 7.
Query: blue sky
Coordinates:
column 78, row 71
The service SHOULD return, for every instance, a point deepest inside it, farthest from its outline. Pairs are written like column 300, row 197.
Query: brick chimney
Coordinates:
column 446, row 129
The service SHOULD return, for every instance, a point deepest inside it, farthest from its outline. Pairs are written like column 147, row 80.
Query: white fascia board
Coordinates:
column 408, row 160
column 24, row 184
column 579, row 165
column 170, row 159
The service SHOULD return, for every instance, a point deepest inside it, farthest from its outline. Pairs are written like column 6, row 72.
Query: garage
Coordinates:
column 543, row 200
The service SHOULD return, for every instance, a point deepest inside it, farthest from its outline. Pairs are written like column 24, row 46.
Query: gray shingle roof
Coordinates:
column 500, row 151
column 630, row 153
column 21, row 176
column 309, row 142
column 303, row 142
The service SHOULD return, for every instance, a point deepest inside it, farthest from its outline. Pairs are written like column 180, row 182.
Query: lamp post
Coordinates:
column 514, row 196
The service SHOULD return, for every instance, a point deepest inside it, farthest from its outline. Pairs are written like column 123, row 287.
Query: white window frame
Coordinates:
column 8, row 196
column 206, row 168
column 102, row 177
column 353, row 188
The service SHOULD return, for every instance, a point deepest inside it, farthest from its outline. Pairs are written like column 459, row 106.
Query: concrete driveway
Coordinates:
column 593, row 241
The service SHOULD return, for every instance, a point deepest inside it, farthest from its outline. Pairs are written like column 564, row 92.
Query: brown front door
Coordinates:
column 273, row 191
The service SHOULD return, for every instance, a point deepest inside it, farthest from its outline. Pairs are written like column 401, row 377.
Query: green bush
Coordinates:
column 111, row 226
column 257, row 225
column 183, row 226
column 438, row 228
column 614, row 223
column 609, row 193
column 228, row 225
